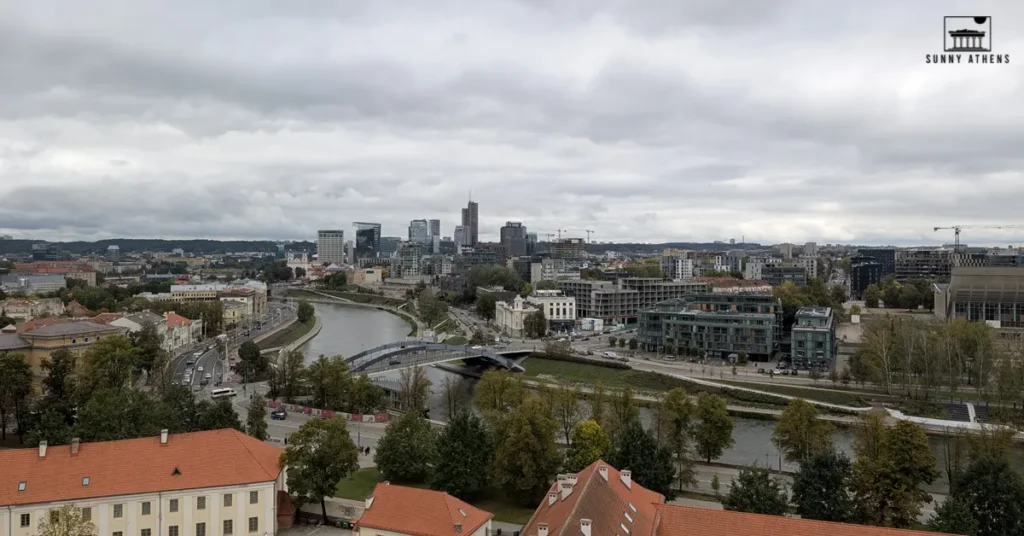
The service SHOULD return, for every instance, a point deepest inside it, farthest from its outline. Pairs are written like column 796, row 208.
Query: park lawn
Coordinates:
column 457, row 340
column 360, row 485
column 638, row 380
column 821, row 394
column 287, row 335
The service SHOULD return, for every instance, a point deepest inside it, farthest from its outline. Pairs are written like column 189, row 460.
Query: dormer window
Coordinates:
column 21, row 486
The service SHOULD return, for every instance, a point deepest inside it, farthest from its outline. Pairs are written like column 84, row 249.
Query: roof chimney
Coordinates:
column 163, row 436
column 458, row 526
column 603, row 471
column 566, row 489
column 369, row 502
column 585, row 527
column 552, row 497
column 627, row 478
column 542, row 529
column 42, row 449
column 572, row 478
column 74, row 446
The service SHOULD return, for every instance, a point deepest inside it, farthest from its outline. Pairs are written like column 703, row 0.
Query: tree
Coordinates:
column 589, row 443
column 290, row 374
column 108, row 364
column 527, row 458
column 456, row 394
column 485, row 305
column 677, row 421
column 820, row 487
column 479, row 338
column 300, row 273
column 623, row 411
column 111, row 414
column 598, row 404
column 651, row 464
column 755, row 491
column 365, row 397
column 992, row 494
column 712, row 432
column 329, row 382
column 800, row 434
column 256, row 417
column 498, row 393
column 891, row 466
column 566, row 408
column 217, row 415
column 431, row 310
column 180, row 409
column 612, row 340
column 252, row 364
column 66, row 521
column 15, row 391
column 408, row 449
column 305, row 311
column 633, row 344
column 954, row 516
column 872, row 296
column 319, row 455
column 149, row 345
column 464, row 453
column 535, row 325
column 414, row 389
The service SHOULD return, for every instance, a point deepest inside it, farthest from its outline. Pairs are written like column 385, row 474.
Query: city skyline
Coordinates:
column 645, row 121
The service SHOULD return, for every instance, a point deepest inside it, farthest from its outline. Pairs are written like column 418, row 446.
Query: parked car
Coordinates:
column 278, row 414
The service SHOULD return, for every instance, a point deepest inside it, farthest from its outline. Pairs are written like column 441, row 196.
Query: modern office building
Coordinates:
column 113, row 253
column 719, row 324
column 459, row 237
column 885, row 257
column 367, row 242
column 409, row 257
column 419, row 232
column 810, row 249
column 923, row 263
column 619, row 302
column 531, row 243
column 568, row 248
column 777, row 274
column 786, row 250
column 864, row 271
column 389, row 245
column 994, row 295
column 435, row 227
column 513, row 239
column 330, row 246
column 677, row 264
column 814, row 341
column 470, row 225
column 809, row 264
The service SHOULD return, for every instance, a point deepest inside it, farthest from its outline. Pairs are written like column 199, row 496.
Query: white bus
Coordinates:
column 224, row 392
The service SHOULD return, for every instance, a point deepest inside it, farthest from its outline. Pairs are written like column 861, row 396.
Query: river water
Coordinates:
column 350, row 330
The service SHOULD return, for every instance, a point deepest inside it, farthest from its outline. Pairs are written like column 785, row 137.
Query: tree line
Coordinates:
column 895, row 295
column 325, row 383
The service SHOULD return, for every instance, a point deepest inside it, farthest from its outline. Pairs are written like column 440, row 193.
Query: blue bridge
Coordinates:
column 412, row 353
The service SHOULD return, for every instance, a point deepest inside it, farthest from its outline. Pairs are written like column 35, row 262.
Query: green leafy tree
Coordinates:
column 329, row 382
column 535, row 325
column 599, row 404
column 820, row 487
column 712, row 430
column 149, row 345
column 365, row 397
column 677, row 414
column 408, row 449
column 991, row 493
column 319, row 455
column 891, row 466
column 566, row 408
column 109, row 363
column 589, row 443
column 112, row 414
column 50, row 425
column 485, row 306
column 954, row 516
column 623, row 411
column 180, row 409
column 872, row 296
column 256, row 417
column 252, row 364
column 479, row 338
column 464, row 454
column 291, row 373
column 527, row 458
column 217, row 415
column 800, row 434
column 498, row 394
column 612, row 341
column 15, row 391
column 756, row 492
column 304, row 313
column 651, row 464
column 431, row 310
column 66, row 521
column 633, row 344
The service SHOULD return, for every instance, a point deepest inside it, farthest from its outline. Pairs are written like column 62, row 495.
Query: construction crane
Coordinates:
column 588, row 231
column 956, row 231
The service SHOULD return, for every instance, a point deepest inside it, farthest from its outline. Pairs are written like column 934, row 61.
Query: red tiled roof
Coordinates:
column 606, row 503
column 175, row 320
column 690, row 521
column 37, row 323
column 420, row 512
column 77, row 309
column 135, row 466
column 105, row 318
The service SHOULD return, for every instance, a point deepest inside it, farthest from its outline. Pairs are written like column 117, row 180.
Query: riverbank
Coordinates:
column 294, row 332
column 415, row 326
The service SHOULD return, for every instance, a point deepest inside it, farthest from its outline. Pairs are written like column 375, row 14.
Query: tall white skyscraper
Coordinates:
column 330, row 246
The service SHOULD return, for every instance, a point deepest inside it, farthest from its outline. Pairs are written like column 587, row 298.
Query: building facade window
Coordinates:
column 173, row 506
column 146, row 532
column 26, row 520
column 228, row 498
column 117, row 533
column 172, row 530
column 200, row 503
column 200, row 529
column 87, row 514
column 146, row 508
column 118, row 511
column 254, row 524
column 254, row 497
column 229, row 527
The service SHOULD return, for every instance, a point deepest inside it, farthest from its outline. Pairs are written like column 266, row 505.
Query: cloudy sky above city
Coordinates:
column 643, row 120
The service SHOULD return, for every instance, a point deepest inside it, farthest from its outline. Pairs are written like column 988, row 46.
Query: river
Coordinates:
column 349, row 330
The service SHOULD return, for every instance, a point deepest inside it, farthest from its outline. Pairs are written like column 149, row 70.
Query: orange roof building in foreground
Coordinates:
column 420, row 512
column 215, row 478
column 602, row 501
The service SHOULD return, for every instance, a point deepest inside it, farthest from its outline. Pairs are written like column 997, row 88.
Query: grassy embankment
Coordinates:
column 287, row 335
column 359, row 486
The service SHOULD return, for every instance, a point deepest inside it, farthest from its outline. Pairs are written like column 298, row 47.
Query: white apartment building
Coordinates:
column 809, row 263
column 213, row 483
column 330, row 247
column 558, row 308
column 509, row 317
column 677, row 268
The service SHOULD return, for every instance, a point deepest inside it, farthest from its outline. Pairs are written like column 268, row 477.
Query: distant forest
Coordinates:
column 130, row 245
column 207, row 247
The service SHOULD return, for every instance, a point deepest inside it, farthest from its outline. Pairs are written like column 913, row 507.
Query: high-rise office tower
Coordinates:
column 459, row 237
column 513, row 239
column 367, row 240
column 471, row 224
column 330, row 246
column 435, row 228
column 419, row 231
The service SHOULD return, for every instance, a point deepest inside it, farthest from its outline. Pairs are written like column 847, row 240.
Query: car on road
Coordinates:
column 394, row 361
column 776, row 372
column 200, row 369
column 189, row 362
column 208, row 376
column 278, row 414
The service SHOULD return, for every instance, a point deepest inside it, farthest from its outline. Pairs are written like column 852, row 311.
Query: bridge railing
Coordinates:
column 368, row 358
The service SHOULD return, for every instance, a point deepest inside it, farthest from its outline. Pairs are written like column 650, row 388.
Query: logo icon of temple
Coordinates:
column 967, row 34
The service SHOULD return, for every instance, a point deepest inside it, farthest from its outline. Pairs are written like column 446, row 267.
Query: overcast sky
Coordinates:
column 643, row 120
